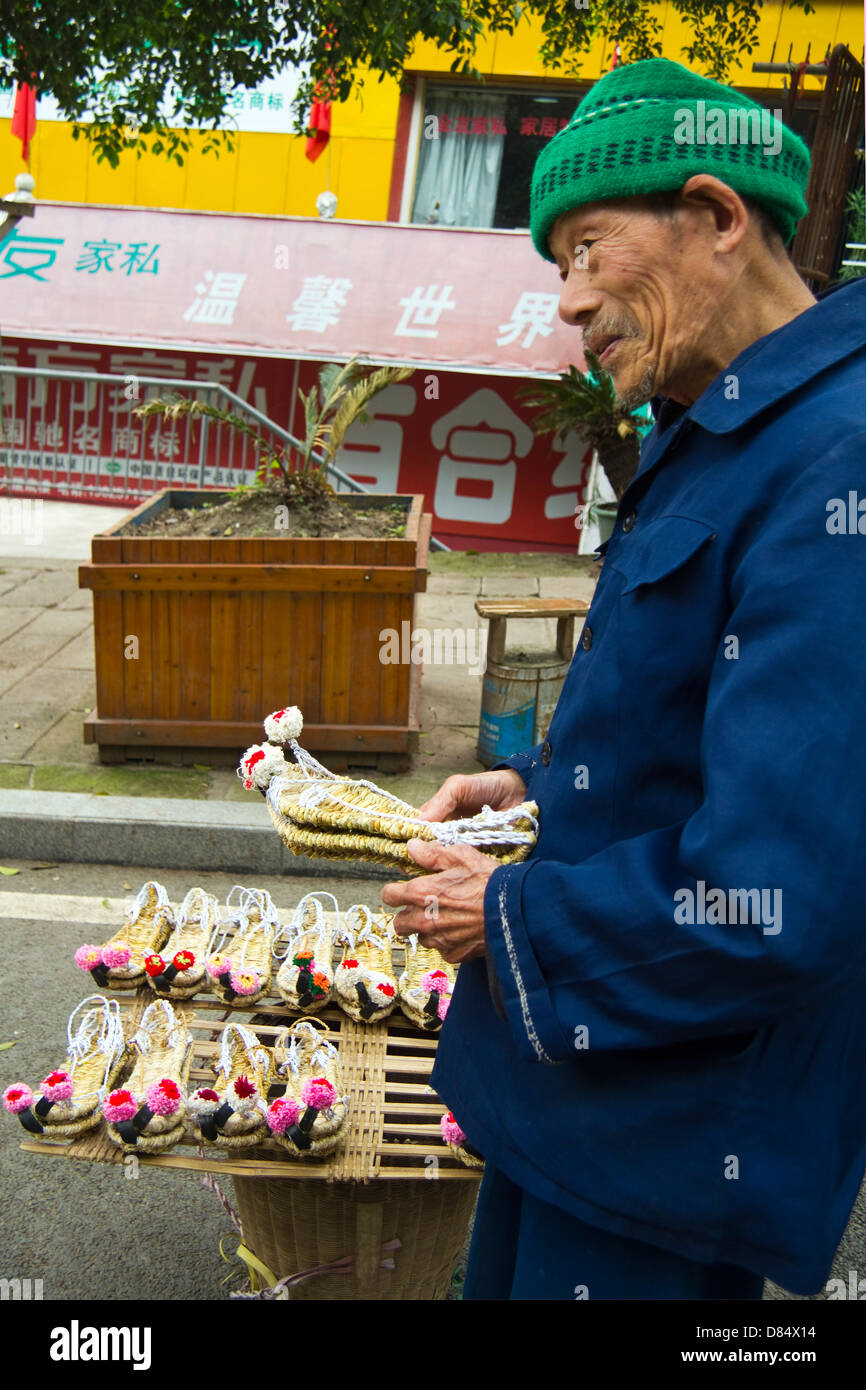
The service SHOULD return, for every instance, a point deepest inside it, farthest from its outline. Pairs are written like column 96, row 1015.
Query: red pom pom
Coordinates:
column 206, row 1094
column 350, row 965
column 154, row 965
column 183, row 960
column 244, row 1087
column 387, row 990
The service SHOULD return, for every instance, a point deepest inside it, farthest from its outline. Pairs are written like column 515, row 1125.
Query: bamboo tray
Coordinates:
column 392, row 1131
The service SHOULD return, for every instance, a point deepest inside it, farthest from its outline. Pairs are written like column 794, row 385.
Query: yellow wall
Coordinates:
column 271, row 174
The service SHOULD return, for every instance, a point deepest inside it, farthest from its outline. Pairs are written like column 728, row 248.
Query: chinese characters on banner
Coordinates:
column 462, row 440
column 292, row 287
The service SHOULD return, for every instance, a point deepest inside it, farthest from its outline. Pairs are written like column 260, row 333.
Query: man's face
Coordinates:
column 632, row 281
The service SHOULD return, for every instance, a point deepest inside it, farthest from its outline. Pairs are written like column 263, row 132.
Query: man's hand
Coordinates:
column 465, row 795
column 445, row 906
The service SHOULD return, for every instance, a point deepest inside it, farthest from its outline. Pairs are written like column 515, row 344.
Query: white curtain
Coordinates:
column 460, row 173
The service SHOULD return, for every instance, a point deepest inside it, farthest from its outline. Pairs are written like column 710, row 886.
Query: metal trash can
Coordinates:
column 519, row 694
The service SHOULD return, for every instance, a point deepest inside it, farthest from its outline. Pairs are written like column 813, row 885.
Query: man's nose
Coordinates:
column 577, row 302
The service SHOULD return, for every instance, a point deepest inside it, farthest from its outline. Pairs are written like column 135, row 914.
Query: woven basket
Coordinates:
column 294, row 1226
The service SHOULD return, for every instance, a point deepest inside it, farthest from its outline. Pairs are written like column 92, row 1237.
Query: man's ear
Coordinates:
column 730, row 218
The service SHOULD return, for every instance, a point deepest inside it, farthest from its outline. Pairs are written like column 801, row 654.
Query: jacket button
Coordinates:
column 628, row 521
column 586, row 638
column 546, row 752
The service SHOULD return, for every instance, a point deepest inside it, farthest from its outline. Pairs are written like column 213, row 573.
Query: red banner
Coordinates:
column 462, row 440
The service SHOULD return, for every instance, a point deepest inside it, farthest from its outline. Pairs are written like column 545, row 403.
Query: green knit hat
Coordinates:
column 648, row 127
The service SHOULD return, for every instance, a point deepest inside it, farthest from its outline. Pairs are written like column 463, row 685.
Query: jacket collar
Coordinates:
column 777, row 364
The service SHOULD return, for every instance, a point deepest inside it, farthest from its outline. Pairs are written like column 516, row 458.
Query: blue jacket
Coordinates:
column 675, row 1060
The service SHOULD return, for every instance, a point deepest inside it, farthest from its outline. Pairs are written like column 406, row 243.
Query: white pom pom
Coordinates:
column 284, row 724
column 260, row 764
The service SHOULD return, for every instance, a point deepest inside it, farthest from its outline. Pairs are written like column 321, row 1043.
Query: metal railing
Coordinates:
column 73, row 433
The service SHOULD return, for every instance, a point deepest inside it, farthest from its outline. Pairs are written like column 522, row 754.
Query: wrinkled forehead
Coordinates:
column 577, row 220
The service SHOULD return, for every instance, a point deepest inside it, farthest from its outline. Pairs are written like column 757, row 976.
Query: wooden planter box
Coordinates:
column 230, row 630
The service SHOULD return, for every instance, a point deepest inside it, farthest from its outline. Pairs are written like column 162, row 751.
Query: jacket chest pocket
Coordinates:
column 666, row 619
column 659, row 554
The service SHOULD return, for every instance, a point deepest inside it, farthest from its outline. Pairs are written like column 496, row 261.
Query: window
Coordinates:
column 475, row 161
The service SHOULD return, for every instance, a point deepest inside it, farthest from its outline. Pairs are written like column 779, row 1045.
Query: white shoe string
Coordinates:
column 100, row 1024
column 143, row 1039
column 251, row 1045
column 366, row 933
column 142, row 897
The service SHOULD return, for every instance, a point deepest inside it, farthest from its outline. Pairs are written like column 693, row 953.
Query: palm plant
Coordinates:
column 330, row 407
column 588, row 403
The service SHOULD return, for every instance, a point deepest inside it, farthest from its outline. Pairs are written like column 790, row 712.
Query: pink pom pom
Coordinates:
column 319, row 1093
column 57, row 1086
column 443, row 1005
column 245, row 982
column 163, row 1097
column 87, row 957
column 451, row 1131
column 282, row 1114
column 119, row 1106
column 435, row 981
column 115, row 956
column 218, row 965
column 17, row 1098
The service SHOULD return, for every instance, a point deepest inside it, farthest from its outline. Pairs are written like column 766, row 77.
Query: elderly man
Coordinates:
column 658, row 1033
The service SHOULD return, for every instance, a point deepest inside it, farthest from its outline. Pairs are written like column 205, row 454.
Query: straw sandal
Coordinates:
column 149, row 1112
column 233, row 1113
column 426, row 986
column 365, row 986
column 119, row 964
column 196, row 928
column 240, row 968
column 309, row 1119
column 69, row 1100
column 321, row 815
column 306, row 975
column 457, row 1143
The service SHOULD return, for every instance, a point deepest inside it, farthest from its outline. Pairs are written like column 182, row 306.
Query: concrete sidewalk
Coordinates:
column 130, row 813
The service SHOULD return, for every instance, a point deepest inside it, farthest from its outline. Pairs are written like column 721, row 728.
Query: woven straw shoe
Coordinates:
column 119, row 964
column 308, row 1121
column 69, row 1099
column 179, row 971
column 232, row 1112
column 240, row 966
column 148, row 1112
column 426, row 986
column 306, row 975
column 365, row 986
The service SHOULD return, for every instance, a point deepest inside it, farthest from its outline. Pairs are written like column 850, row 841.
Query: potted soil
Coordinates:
column 211, row 609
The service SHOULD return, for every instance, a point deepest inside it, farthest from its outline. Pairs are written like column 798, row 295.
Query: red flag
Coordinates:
column 320, row 125
column 24, row 118
column 320, row 112
column 616, row 59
